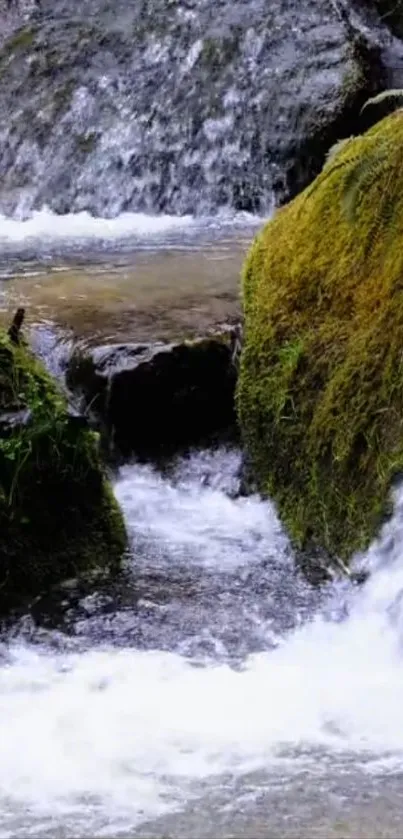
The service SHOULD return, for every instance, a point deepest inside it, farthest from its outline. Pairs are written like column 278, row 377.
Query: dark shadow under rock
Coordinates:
column 159, row 399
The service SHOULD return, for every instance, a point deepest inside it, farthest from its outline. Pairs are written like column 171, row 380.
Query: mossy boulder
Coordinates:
column 58, row 515
column 320, row 393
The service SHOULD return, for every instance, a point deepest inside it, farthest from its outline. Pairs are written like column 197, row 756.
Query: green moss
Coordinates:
column 58, row 515
column 18, row 43
column 21, row 41
column 320, row 394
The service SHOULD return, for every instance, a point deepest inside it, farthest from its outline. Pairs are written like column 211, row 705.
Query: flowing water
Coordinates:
column 179, row 107
column 131, row 278
column 206, row 690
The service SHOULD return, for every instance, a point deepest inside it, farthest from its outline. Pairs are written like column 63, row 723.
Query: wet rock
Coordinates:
column 390, row 12
column 177, row 107
column 157, row 399
column 14, row 13
column 57, row 512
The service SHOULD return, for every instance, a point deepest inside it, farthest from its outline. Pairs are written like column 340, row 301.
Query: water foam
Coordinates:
column 195, row 518
column 108, row 738
column 45, row 225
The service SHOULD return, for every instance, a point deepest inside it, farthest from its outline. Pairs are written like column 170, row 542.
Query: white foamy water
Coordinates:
column 45, row 228
column 43, row 224
column 101, row 740
column 200, row 523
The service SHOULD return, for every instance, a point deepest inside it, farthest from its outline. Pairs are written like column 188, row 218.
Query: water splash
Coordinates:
column 106, row 737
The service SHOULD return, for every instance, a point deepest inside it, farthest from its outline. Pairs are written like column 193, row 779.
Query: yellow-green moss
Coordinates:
column 58, row 514
column 320, row 395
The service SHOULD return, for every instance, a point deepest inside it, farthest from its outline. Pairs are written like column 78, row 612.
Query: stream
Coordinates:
column 207, row 690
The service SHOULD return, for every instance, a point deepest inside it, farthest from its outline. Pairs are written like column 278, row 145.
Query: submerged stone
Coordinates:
column 152, row 400
column 320, row 395
column 58, row 515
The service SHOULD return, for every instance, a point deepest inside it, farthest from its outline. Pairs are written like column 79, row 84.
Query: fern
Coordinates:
column 334, row 150
column 361, row 171
column 387, row 97
column 359, row 180
column 326, row 172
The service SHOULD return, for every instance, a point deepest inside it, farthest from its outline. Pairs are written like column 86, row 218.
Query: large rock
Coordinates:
column 320, row 394
column 390, row 13
column 153, row 400
column 57, row 512
column 179, row 106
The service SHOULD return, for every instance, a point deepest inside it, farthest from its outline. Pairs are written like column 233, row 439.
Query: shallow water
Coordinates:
column 208, row 691
column 129, row 279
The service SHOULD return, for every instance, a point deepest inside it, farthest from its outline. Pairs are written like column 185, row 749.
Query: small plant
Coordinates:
column 391, row 97
column 361, row 169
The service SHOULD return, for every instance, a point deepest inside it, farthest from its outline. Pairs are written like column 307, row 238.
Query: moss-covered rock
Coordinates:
column 57, row 511
column 320, row 395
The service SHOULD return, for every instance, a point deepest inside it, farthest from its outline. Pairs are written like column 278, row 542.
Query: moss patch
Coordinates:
column 320, row 395
column 23, row 40
column 57, row 512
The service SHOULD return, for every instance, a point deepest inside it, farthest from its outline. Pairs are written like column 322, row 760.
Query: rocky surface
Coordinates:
column 178, row 107
column 157, row 399
column 15, row 13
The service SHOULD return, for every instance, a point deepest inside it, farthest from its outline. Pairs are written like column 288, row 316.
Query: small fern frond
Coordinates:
column 326, row 172
column 392, row 96
column 360, row 179
column 334, row 150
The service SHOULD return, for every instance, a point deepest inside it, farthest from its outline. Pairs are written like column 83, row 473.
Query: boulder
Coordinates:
column 58, row 515
column 152, row 400
column 320, row 395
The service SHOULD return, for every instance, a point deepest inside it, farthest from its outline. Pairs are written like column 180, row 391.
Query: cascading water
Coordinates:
column 210, row 676
column 176, row 107
column 207, row 690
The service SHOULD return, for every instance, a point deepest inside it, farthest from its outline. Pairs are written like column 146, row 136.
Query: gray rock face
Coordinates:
column 13, row 14
column 174, row 105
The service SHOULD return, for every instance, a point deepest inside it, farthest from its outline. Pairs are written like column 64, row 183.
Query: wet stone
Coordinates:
column 153, row 400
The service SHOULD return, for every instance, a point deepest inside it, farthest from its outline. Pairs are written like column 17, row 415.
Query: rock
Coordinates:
column 390, row 13
column 57, row 512
column 320, row 397
column 14, row 13
column 176, row 107
column 151, row 400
